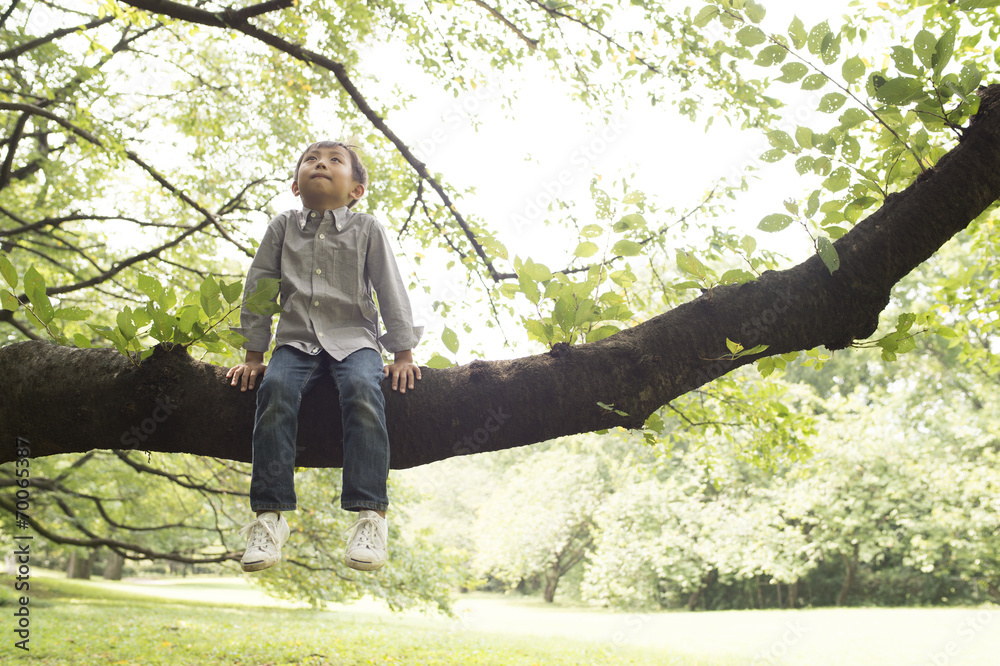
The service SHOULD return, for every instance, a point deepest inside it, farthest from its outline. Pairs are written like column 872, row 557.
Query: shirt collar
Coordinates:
column 341, row 217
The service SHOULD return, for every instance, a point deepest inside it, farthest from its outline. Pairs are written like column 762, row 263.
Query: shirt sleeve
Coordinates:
column 394, row 302
column 256, row 328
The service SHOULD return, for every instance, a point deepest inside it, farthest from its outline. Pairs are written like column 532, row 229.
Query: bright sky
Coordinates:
column 549, row 146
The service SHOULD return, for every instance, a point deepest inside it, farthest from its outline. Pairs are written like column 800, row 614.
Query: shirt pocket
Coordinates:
column 345, row 272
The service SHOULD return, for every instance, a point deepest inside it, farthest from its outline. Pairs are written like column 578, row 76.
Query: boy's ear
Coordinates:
column 295, row 187
column 358, row 191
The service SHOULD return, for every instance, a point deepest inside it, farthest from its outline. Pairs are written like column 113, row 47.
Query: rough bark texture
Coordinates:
column 68, row 400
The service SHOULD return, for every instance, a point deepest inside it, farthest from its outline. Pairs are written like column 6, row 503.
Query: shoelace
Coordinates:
column 259, row 536
column 365, row 528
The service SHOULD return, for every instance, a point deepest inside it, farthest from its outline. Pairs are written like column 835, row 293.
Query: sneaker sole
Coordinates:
column 361, row 565
column 250, row 567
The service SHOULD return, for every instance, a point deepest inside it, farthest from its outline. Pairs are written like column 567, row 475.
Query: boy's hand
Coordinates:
column 403, row 371
column 247, row 373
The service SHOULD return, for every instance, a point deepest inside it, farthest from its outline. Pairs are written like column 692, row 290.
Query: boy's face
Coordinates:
column 325, row 180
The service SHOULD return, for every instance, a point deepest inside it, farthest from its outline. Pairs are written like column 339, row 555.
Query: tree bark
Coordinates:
column 80, row 567
column 65, row 400
column 851, row 564
column 116, row 564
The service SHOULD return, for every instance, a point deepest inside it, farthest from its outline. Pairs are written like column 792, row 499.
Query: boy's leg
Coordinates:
column 366, row 458
column 289, row 375
column 366, row 440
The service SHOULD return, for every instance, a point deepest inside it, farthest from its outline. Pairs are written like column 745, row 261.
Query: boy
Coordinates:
column 329, row 260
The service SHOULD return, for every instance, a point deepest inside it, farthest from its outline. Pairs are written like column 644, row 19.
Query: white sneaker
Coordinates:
column 265, row 537
column 367, row 542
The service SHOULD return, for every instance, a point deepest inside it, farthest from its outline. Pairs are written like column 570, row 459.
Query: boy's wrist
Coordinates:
column 405, row 356
column 254, row 357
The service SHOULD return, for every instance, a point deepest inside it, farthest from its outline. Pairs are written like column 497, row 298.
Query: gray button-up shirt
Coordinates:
column 329, row 264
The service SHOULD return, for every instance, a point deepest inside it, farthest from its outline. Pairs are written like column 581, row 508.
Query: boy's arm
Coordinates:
column 249, row 371
column 402, row 370
column 394, row 303
column 256, row 328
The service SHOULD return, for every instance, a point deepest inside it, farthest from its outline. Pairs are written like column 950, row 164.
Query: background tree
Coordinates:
column 180, row 120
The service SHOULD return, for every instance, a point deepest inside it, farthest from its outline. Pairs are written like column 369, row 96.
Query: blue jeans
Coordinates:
column 366, row 442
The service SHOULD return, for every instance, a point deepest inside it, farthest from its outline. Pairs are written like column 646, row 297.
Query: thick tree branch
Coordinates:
column 72, row 400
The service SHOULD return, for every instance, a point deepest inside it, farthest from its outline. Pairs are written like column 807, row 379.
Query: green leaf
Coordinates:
column 781, row 139
column 828, row 253
column 8, row 271
column 943, row 51
column 150, row 286
column 797, row 32
column 754, row 11
column 812, row 204
column 626, row 248
column 969, row 5
column 969, row 79
column 770, row 55
column 774, row 222
column 264, row 299
column 72, row 313
column 630, row 221
column 773, row 155
column 899, row 91
column 209, row 296
column 814, row 82
column 831, row 102
column 737, row 276
column 81, row 341
column 851, row 118
column 924, row 45
column 592, row 231
column 9, row 301
column 34, row 284
column 705, row 16
column 804, row 137
column 853, row 69
column 750, row 35
column 537, row 272
column 450, row 340
column 231, row 292
column 792, row 72
column 903, row 59
column 816, row 37
column 748, row 244
column 586, row 249
column 690, row 264
column 439, row 362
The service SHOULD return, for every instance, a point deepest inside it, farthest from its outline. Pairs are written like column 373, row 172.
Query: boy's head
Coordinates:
column 332, row 161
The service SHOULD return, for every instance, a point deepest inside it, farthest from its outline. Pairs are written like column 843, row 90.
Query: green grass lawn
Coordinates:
column 87, row 623
column 223, row 620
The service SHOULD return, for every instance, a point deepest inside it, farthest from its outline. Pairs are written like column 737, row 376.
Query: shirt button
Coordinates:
column 319, row 272
column 316, row 303
column 322, row 236
column 321, row 334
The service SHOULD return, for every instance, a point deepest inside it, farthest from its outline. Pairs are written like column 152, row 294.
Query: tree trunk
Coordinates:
column 793, row 594
column 551, row 581
column 113, row 570
column 851, row 563
column 65, row 400
column 80, row 567
column 777, row 584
